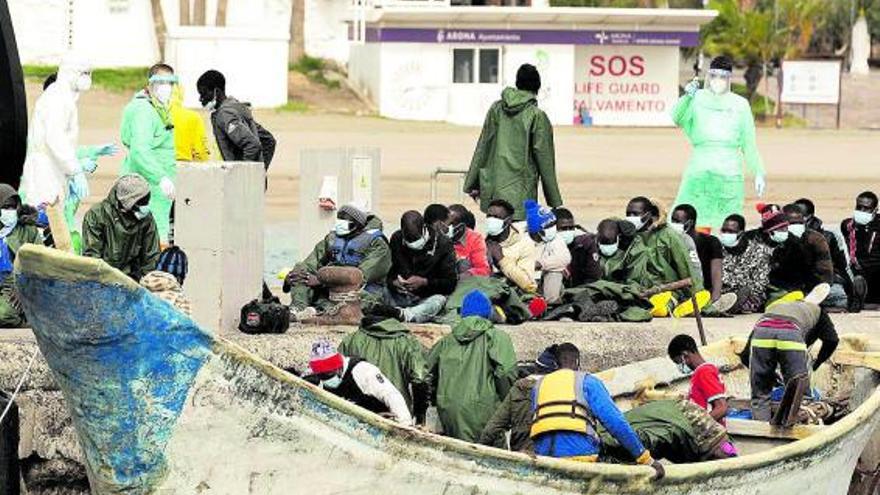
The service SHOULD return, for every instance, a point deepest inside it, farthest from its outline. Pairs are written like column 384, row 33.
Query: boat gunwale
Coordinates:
column 49, row 263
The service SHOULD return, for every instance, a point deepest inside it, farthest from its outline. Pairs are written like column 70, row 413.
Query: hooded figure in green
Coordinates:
column 148, row 134
column 120, row 229
column 721, row 129
column 473, row 369
column 17, row 227
column 389, row 345
column 515, row 149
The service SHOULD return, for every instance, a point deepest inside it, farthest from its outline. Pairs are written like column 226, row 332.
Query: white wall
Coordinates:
column 415, row 81
column 363, row 70
column 326, row 30
column 555, row 63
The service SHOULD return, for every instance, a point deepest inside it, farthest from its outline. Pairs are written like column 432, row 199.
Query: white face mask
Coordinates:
column 637, row 221
column 450, row 231
column 342, row 227
column 494, row 226
column 683, row 368
column 334, row 382
column 728, row 239
column 418, row 244
column 84, row 82
column 608, row 250
column 568, row 236
column 162, row 92
column 797, row 229
column 678, row 227
column 779, row 236
column 142, row 212
column 862, row 217
column 549, row 234
column 719, row 86
column 9, row 217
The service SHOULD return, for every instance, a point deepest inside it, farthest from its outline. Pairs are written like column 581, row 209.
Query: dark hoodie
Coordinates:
column 515, row 151
column 389, row 345
column 239, row 137
column 435, row 262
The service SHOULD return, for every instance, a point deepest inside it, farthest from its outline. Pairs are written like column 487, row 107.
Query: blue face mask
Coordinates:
column 142, row 212
column 418, row 244
column 334, row 382
column 608, row 250
column 862, row 217
column 494, row 226
column 779, row 236
column 728, row 239
column 9, row 217
column 797, row 229
column 342, row 227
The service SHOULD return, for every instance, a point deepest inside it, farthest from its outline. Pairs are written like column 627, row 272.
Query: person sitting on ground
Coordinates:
column 515, row 412
column 389, row 345
column 353, row 242
column 166, row 287
column 567, row 403
column 613, row 238
column 788, row 267
column 746, row 265
column 553, row 255
column 357, row 381
column 658, row 256
column 707, row 390
column 584, row 267
column 437, row 217
column 709, row 252
column 781, row 339
column 816, row 252
column 121, row 229
column 511, row 252
column 470, row 246
column 422, row 271
column 473, row 369
column 842, row 290
column 17, row 228
column 862, row 236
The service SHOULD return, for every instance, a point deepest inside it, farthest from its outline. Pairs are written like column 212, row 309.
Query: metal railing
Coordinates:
column 435, row 177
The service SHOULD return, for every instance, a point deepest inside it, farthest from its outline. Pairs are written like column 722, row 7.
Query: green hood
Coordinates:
column 386, row 329
column 514, row 101
column 470, row 328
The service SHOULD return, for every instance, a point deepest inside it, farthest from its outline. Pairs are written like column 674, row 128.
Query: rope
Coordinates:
column 345, row 297
column 20, row 383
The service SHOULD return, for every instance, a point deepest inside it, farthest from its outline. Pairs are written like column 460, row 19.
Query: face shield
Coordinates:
column 161, row 87
column 718, row 81
column 75, row 71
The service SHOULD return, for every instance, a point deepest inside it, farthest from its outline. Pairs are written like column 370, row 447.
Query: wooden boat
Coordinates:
column 162, row 406
column 14, row 117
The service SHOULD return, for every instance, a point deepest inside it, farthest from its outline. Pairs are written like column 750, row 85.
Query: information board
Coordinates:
column 811, row 81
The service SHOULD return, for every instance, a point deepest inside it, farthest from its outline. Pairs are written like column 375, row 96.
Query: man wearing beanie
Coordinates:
column 357, row 381
column 473, row 368
column 121, row 229
column 515, row 412
column 553, row 254
column 787, row 261
column 355, row 241
column 515, row 149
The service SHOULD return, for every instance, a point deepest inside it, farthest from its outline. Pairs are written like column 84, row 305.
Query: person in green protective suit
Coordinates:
column 388, row 344
column 17, row 227
column 148, row 134
column 473, row 369
column 515, row 150
column 721, row 129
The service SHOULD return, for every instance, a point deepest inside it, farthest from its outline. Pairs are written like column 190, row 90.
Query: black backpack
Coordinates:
column 266, row 315
column 174, row 261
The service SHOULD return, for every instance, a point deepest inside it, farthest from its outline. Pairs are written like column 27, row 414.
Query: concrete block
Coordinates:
column 219, row 224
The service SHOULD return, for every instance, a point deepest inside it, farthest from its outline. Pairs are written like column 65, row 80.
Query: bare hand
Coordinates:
column 496, row 254
column 415, row 282
column 312, row 281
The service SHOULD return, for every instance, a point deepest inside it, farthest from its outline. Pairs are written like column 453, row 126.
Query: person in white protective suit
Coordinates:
column 721, row 130
column 51, row 167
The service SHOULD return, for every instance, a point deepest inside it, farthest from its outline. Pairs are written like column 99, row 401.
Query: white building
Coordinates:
column 617, row 67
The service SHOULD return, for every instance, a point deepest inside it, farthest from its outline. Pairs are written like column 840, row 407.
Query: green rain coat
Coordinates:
column 514, row 152
column 124, row 242
column 24, row 232
column 473, row 368
column 394, row 350
column 149, row 136
column 721, row 131
column 659, row 256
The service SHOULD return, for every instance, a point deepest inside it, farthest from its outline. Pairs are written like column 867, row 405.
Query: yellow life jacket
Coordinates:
column 558, row 404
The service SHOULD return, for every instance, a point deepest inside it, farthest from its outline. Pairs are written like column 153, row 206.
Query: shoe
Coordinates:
column 386, row 311
column 818, row 294
column 687, row 308
column 859, row 293
column 725, row 302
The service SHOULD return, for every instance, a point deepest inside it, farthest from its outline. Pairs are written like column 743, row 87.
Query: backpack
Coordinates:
column 174, row 261
column 265, row 315
column 267, row 143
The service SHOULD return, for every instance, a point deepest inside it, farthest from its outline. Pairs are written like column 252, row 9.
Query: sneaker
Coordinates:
column 306, row 313
column 818, row 294
column 725, row 302
column 386, row 311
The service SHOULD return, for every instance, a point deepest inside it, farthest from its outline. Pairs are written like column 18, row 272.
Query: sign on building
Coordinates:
column 811, row 81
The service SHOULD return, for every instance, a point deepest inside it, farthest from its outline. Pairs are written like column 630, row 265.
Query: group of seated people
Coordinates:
column 643, row 265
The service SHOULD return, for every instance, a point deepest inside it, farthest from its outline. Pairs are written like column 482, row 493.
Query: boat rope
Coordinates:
column 20, row 383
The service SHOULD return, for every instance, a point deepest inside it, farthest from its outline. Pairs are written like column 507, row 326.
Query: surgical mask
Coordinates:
column 797, row 229
column 342, row 227
column 637, row 221
column 142, row 212
column 683, row 368
column 608, row 250
column 458, row 230
column 862, row 217
column 728, row 239
column 678, row 227
column 779, row 236
column 494, row 226
column 417, row 244
column 549, row 234
column 568, row 236
column 718, row 81
column 8, row 217
column 450, row 231
column 162, row 92
column 334, row 382
column 211, row 105
column 84, row 82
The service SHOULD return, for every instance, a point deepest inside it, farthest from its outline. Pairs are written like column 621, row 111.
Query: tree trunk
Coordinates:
column 753, row 78
column 221, row 12
column 297, row 47
column 184, row 13
column 199, row 14
column 159, row 26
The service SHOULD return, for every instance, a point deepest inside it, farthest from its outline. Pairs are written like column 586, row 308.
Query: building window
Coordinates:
column 472, row 65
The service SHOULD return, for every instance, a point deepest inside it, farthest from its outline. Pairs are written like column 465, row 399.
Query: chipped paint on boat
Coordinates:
column 246, row 427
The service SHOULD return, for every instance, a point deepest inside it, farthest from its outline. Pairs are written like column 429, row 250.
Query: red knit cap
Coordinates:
column 324, row 358
column 537, row 306
column 772, row 217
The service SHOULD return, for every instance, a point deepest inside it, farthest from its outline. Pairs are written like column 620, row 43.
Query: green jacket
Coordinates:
column 514, row 414
column 395, row 351
column 514, row 151
column 375, row 264
column 124, row 242
column 473, row 368
column 11, row 315
column 658, row 256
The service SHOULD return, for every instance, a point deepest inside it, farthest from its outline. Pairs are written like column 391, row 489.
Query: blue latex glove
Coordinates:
column 88, row 164
column 691, row 88
column 108, row 149
column 79, row 186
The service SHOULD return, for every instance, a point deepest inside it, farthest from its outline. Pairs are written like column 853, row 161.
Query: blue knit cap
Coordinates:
column 537, row 217
column 475, row 303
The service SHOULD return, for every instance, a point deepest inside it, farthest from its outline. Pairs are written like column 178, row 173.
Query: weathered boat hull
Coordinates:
column 163, row 407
